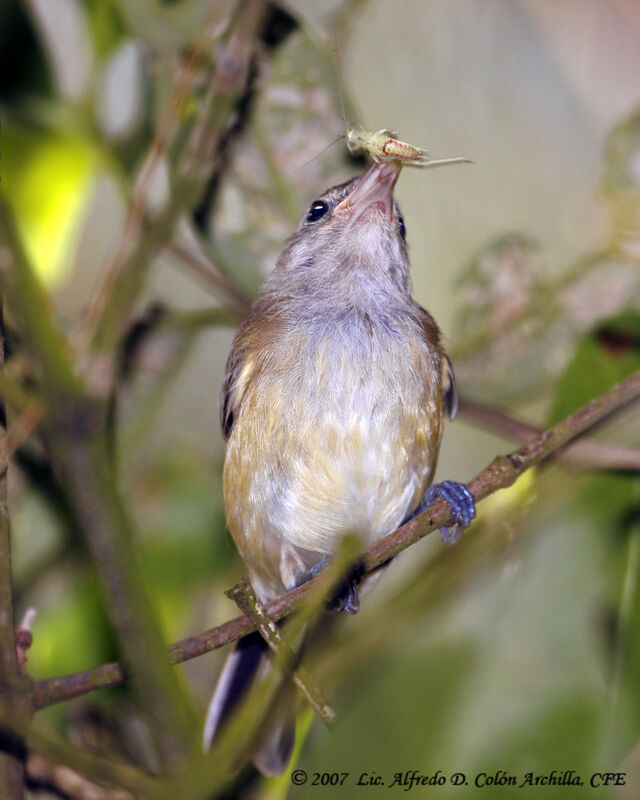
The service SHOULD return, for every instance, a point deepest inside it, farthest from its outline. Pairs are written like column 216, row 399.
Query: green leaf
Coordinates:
column 603, row 357
column 46, row 178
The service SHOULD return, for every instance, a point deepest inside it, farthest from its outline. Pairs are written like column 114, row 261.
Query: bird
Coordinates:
column 332, row 411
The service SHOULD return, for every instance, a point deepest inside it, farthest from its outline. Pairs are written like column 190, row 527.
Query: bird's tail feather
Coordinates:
column 274, row 752
column 241, row 668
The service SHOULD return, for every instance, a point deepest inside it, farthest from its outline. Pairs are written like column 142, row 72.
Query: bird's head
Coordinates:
column 351, row 233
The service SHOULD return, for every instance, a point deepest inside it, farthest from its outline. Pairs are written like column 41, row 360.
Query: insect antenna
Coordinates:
column 317, row 156
column 358, row 159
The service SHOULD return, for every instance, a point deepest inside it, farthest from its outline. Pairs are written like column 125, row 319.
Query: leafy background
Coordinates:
column 518, row 649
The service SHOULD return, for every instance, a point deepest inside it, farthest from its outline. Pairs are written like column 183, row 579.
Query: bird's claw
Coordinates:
column 461, row 502
column 346, row 597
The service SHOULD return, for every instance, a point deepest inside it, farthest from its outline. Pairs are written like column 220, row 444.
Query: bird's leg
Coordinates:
column 315, row 570
column 461, row 502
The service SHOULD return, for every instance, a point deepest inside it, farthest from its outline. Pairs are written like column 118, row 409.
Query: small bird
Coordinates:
column 332, row 409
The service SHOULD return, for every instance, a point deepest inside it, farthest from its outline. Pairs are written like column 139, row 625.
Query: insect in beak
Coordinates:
column 373, row 193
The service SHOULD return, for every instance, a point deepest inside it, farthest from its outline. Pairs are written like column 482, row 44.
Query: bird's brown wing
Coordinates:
column 244, row 362
column 432, row 336
column 228, row 400
column 449, row 390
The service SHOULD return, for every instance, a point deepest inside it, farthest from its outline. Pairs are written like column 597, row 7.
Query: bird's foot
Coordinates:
column 461, row 502
column 346, row 596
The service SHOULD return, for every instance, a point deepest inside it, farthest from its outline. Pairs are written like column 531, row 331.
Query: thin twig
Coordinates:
column 78, row 442
column 110, row 312
column 501, row 473
column 23, row 427
column 45, row 774
column 246, row 600
column 12, row 697
column 31, row 306
column 585, row 454
column 546, row 304
column 187, row 75
column 112, row 770
column 24, row 637
column 202, row 267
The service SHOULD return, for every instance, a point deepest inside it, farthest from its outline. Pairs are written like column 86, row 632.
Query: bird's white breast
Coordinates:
column 339, row 433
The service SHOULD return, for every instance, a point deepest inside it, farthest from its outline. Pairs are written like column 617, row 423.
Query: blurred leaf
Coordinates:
column 625, row 650
column 389, row 695
column 122, row 100
column 63, row 30
column 562, row 735
column 106, row 25
column 498, row 284
column 186, row 547
column 165, row 26
column 73, row 632
column 602, row 358
column 622, row 159
column 46, row 178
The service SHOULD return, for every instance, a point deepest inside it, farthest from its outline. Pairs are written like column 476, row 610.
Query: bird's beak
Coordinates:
column 373, row 193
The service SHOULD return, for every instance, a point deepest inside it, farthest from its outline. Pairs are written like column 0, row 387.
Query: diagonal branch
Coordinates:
column 501, row 473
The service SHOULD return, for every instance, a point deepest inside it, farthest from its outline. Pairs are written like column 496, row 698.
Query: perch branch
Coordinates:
column 501, row 473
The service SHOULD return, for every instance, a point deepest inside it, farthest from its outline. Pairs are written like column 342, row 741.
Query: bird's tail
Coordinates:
column 245, row 663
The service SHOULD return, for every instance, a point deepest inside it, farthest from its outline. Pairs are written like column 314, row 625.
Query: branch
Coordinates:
column 30, row 305
column 79, row 446
column 203, row 268
column 142, row 238
column 581, row 455
column 43, row 773
column 190, row 70
column 501, row 473
column 23, row 427
column 246, row 599
column 544, row 306
column 12, row 749
column 112, row 770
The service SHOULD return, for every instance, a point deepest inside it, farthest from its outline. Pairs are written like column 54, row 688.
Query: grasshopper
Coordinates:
column 384, row 146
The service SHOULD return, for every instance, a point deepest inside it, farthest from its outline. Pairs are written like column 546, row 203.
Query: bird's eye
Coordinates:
column 403, row 230
column 317, row 210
